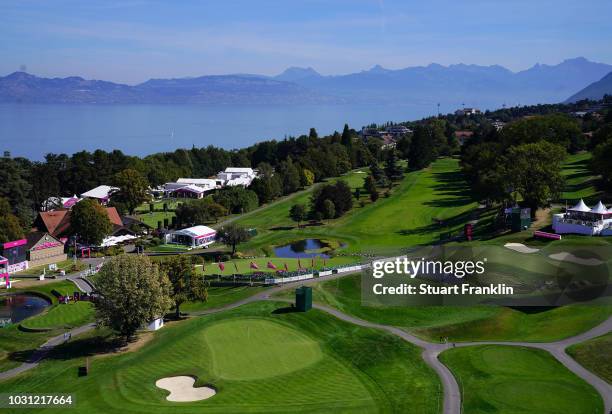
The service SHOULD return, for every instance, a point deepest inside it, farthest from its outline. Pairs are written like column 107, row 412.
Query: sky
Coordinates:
column 131, row 41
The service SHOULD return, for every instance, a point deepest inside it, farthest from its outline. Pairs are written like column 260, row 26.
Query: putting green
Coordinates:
column 248, row 349
column 284, row 362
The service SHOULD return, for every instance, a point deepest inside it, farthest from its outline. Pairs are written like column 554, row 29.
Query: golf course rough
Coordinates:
column 322, row 365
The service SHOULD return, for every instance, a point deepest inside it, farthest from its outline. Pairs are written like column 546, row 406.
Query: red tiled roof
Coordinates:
column 57, row 222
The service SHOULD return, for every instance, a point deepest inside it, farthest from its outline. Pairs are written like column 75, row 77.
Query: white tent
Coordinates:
column 581, row 207
column 599, row 209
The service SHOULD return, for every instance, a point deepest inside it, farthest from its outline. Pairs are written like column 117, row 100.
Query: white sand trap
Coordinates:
column 568, row 257
column 520, row 247
column 182, row 390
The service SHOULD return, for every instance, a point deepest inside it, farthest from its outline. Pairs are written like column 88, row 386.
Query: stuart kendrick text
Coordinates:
column 427, row 289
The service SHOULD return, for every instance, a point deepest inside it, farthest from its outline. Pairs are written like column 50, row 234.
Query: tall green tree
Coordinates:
column 298, row 213
column 133, row 292
column 329, row 209
column 10, row 227
column 534, row 171
column 186, row 285
column 232, row 235
column 133, row 189
column 90, row 222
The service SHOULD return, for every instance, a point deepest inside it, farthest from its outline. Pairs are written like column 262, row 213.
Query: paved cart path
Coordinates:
column 431, row 351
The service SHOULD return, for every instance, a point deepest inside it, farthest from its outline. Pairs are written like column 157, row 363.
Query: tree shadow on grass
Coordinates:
column 286, row 309
column 77, row 348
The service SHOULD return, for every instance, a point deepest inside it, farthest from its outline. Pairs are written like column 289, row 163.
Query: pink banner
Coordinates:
column 15, row 243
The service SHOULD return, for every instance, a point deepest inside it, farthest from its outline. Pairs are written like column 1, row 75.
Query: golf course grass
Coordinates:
column 423, row 205
column 508, row 379
column 595, row 355
column 17, row 344
column 62, row 316
column 463, row 323
column 257, row 358
column 222, row 295
column 579, row 179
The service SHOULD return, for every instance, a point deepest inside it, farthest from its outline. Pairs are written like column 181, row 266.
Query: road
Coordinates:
column 452, row 403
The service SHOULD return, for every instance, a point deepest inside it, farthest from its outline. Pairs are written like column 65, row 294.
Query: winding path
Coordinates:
column 431, row 351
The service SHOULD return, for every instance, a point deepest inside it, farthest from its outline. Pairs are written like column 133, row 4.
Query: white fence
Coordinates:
column 271, row 281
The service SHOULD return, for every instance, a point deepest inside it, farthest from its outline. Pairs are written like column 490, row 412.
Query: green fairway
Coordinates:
column 62, row 316
column 423, row 205
column 249, row 349
column 595, row 355
column 579, row 179
column 257, row 359
column 505, row 379
column 221, row 295
column 463, row 323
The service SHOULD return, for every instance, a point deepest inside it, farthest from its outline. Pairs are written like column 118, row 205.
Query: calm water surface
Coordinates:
column 34, row 130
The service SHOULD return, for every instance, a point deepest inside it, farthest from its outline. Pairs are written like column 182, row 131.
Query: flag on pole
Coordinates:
column 271, row 265
column 236, row 267
column 221, row 266
column 324, row 262
column 253, row 265
column 286, row 267
column 312, row 262
column 299, row 263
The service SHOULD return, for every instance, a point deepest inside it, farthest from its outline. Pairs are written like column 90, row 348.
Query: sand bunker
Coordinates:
column 520, row 247
column 182, row 390
column 568, row 257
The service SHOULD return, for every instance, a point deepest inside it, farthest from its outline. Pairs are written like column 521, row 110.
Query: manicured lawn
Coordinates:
column 62, row 316
column 505, row 379
column 579, row 179
column 222, row 295
column 595, row 355
column 463, row 323
column 407, row 218
column 258, row 360
column 15, row 344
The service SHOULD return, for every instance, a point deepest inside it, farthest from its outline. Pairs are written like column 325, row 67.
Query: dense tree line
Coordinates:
column 286, row 166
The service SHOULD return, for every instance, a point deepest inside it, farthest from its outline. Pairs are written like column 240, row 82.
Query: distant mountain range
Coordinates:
column 474, row 85
column 594, row 91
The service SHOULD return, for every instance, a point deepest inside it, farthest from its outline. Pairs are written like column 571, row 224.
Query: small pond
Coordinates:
column 305, row 248
column 19, row 306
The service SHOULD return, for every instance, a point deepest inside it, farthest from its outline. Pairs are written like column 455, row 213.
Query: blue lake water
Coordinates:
column 17, row 307
column 306, row 248
column 34, row 130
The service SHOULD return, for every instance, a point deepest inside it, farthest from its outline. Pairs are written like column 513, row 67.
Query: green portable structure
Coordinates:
column 303, row 298
column 520, row 219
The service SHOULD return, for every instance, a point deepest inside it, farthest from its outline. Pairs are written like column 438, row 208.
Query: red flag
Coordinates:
column 271, row 265
column 286, row 267
column 221, row 266
column 299, row 263
column 312, row 262
column 254, row 265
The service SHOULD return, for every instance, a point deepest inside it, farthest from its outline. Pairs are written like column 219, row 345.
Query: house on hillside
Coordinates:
column 233, row 176
column 467, row 112
column 463, row 136
column 581, row 219
column 192, row 237
column 101, row 193
column 398, row 131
